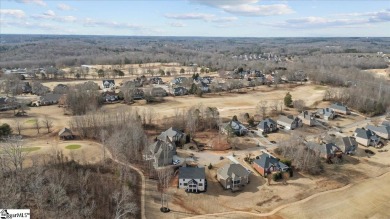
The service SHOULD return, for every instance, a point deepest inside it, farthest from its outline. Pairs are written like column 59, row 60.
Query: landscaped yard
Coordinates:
column 73, row 146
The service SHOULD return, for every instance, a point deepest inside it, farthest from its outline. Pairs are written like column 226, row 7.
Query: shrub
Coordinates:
column 5, row 130
column 277, row 176
column 287, row 162
column 210, row 166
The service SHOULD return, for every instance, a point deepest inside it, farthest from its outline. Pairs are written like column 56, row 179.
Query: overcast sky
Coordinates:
column 230, row 18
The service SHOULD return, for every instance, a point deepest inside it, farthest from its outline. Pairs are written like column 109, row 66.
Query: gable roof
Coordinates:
column 171, row 132
column 364, row 133
column 380, row 129
column 266, row 161
column 159, row 146
column 192, row 173
column 233, row 171
column 287, row 119
column 346, row 144
column 338, row 106
column 264, row 124
column 109, row 82
column 65, row 131
column 327, row 149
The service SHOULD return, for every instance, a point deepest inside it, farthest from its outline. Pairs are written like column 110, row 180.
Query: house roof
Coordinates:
column 386, row 123
column 346, row 143
column 64, row 132
column 379, row 129
column 287, row 119
column 327, row 149
column 192, row 173
column 109, row 81
column 159, row 146
column 171, row 132
column 364, row 133
column 51, row 97
column 232, row 170
column 266, row 123
column 338, row 106
column 266, row 161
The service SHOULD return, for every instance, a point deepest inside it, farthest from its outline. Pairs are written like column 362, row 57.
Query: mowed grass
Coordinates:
column 73, row 146
column 30, row 149
column 30, row 121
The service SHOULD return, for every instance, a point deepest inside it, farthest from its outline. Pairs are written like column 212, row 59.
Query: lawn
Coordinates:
column 30, row 149
column 30, row 121
column 73, row 146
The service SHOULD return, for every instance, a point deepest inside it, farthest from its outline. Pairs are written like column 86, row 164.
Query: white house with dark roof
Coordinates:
column 192, row 179
column 366, row 137
column 289, row 122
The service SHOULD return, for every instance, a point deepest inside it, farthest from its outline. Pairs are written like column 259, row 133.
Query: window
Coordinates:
column 200, row 184
column 180, row 184
column 236, row 182
column 185, row 184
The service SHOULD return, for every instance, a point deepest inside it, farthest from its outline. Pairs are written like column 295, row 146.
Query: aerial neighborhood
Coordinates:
column 249, row 133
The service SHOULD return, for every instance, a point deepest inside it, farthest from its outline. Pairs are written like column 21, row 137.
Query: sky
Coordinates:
column 214, row 18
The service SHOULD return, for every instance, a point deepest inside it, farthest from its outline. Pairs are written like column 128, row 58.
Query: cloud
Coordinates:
column 37, row 2
column 247, row 7
column 89, row 22
column 340, row 20
column 30, row 25
column 51, row 15
column 258, row 10
column 177, row 24
column 200, row 16
column 64, row 7
column 12, row 13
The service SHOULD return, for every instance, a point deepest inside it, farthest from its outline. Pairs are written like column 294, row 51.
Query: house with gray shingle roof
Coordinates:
column 161, row 152
column 267, row 164
column 366, row 137
column 108, row 85
column 192, row 179
column 267, row 126
column 175, row 135
column 236, row 127
column 233, row 176
column 327, row 150
column 347, row 145
column 326, row 113
column 382, row 131
column 340, row 108
column 289, row 122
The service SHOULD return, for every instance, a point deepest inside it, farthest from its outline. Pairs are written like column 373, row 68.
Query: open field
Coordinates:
column 368, row 199
column 381, row 73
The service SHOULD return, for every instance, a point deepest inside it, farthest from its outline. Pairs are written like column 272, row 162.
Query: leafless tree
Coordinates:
column 262, row 108
column 299, row 105
column 47, row 123
column 19, row 126
column 13, row 151
column 123, row 203
column 164, row 177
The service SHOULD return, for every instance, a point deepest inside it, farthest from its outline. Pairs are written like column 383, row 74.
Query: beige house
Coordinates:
column 233, row 176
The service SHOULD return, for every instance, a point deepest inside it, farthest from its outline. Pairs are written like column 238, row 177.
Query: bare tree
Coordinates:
column 47, row 123
column 13, row 152
column 262, row 108
column 299, row 105
column 164, row 177
column 123, row 203
column 19, row 126
column 37, row 124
